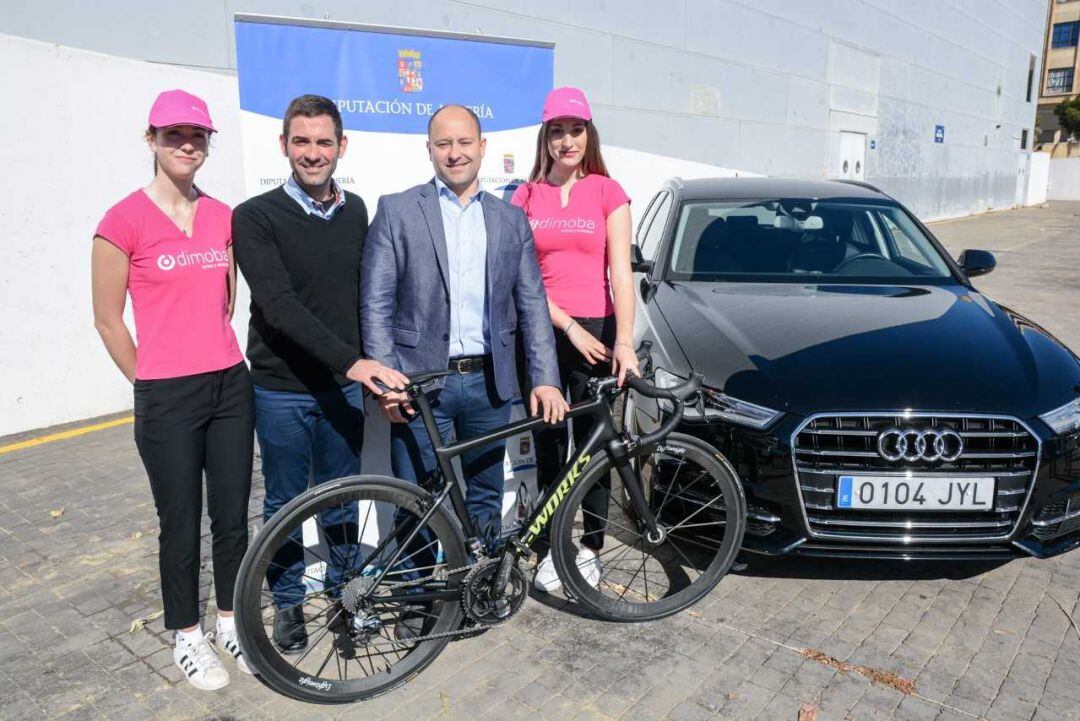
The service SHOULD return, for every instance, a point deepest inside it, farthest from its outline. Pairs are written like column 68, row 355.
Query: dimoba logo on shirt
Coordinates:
column 564, row 225
column 207, row 259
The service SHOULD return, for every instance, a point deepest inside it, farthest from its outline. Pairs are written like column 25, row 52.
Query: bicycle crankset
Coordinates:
column 476, row 597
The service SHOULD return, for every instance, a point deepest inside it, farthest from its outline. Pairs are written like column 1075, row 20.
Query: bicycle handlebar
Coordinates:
column 419, row 379
column 678, row 397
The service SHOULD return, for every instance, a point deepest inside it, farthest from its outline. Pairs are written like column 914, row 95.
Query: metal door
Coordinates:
column 852, row 155
column 1023, row 163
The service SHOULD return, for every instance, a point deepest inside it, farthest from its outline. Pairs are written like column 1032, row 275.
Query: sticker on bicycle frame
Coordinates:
column 671, row 450
column 556, row 498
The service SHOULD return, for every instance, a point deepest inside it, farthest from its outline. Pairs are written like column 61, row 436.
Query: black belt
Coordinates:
column 468, row 364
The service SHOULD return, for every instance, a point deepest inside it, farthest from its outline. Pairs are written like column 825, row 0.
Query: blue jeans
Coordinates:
column 306, row 440
column 466, row 406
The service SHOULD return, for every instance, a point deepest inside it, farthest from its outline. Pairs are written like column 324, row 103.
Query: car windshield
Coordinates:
column 799, row 240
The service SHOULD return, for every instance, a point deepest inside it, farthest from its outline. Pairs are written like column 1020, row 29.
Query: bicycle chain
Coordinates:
column 403, row 584
column 444, row 634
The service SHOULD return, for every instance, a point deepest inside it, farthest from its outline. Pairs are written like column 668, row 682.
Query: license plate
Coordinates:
column 915, row 494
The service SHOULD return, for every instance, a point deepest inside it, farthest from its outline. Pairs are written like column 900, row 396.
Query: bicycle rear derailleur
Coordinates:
column 480, row 605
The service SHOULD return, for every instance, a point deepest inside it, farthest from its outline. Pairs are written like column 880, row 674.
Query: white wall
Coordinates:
column 68, row 165
column 762, row 85
column 1064, row 179
column 75, row 150
column 1038, row 178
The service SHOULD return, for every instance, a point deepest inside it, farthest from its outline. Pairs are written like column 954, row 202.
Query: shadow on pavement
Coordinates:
column 850, row 569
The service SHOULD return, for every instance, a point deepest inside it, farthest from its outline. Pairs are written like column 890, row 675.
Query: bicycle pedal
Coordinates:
column 525, row 552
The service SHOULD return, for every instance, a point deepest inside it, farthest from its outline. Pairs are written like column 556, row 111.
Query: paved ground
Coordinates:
column 78, row 557
column 1038, row 255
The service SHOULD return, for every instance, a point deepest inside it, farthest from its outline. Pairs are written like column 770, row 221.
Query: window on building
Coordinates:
column 1031, row 76
column 1023, row 138
column 1065, row 35
column 1059, row 80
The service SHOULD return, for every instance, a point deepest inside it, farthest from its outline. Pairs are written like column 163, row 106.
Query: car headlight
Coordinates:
column 719, row 404
column 1064, row 419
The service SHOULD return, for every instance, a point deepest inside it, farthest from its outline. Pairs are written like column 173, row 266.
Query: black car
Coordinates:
column 873, row 402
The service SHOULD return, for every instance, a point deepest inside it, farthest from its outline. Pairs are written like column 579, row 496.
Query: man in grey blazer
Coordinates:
column 448, row 279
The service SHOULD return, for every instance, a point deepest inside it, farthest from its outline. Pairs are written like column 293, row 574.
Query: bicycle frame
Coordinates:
column 603, row 438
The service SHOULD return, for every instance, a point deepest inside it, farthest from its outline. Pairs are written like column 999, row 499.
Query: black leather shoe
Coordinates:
column 290, row 635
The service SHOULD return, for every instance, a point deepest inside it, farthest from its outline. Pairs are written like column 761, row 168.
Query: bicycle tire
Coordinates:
column 616, row 595
column 387, row 496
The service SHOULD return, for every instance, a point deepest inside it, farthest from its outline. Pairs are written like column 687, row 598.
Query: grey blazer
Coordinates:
column 405, row 296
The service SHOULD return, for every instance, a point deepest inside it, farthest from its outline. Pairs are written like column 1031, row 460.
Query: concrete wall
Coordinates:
column 1064, row 179
column 1038, row 179
column 765, row 86
column 64, row 168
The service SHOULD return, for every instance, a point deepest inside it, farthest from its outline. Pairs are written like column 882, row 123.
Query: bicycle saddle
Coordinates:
column 422, row 378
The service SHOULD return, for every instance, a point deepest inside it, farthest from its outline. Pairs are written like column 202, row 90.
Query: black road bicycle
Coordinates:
column 392, row 570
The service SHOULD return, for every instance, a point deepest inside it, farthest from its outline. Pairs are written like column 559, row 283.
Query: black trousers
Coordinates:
column 552, row 444
column 183, row 427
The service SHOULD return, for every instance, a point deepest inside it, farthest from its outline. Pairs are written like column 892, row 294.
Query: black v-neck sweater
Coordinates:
column 304, row 275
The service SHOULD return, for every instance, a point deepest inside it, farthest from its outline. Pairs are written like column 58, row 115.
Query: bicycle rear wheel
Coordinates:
column 697, row 500
column 324, row 552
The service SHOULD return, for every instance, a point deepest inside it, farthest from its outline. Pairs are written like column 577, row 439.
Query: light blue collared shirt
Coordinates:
column 310, row 205
column 466, row 256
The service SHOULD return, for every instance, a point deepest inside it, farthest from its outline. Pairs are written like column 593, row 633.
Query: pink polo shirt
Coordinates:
column 178, row 286
column 571, row 242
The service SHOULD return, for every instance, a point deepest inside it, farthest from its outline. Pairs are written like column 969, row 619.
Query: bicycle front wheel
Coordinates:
column 343, row 594
column 622, row 575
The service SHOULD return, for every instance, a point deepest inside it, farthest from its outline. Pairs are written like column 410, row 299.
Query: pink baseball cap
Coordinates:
column 176, row 107
column 566, row 102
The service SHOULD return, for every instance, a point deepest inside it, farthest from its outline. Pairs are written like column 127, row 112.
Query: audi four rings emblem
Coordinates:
column 896, row 444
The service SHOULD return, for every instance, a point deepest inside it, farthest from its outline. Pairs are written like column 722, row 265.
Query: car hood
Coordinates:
column 815, row 348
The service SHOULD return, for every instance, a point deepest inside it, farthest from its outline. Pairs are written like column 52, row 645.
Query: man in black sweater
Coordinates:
column 299, row 248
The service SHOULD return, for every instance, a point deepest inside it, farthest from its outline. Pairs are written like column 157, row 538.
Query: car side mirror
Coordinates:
column 977, row 262
column 638, row 264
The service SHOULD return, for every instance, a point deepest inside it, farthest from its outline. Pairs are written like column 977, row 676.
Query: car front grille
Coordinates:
column 827, row 446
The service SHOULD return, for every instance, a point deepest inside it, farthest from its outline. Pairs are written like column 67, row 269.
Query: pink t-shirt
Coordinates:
column 571, row 242
column 178, row 286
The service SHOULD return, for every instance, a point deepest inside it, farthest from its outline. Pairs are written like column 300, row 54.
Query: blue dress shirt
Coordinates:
column 310, row 205
column 466, row 256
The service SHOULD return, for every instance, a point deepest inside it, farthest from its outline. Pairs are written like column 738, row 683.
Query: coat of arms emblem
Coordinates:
column 408, row 71
column 508, row 163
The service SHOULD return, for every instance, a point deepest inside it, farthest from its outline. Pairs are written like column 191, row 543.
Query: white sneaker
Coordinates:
column 200, row 663
column 227, row 641
column 588, row 562
column 547, row 579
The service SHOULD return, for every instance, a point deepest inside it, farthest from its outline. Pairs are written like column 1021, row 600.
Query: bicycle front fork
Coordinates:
column 620, row 456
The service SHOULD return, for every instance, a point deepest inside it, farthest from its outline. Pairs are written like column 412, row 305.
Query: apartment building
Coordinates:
column 1061, row 76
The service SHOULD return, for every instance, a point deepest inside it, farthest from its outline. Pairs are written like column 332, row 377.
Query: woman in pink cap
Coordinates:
column 168, row 246
column 580, row 220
